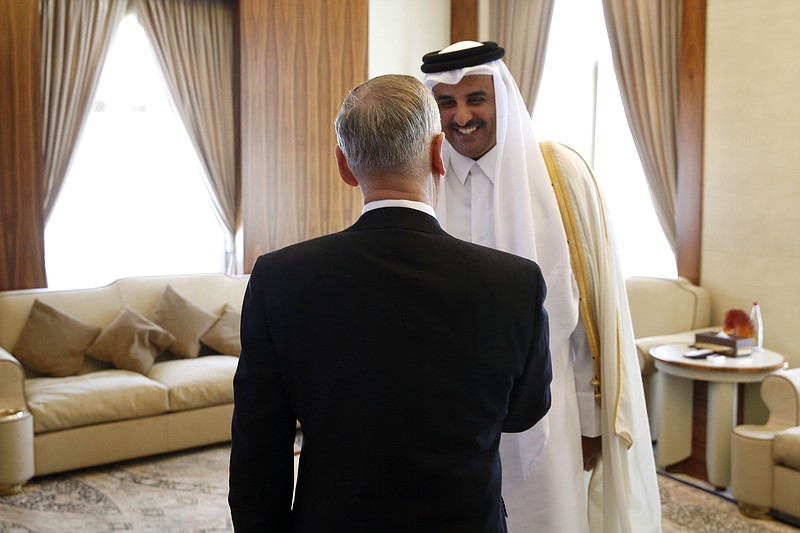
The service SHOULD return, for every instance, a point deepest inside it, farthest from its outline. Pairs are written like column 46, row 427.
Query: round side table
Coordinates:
column 723, row 374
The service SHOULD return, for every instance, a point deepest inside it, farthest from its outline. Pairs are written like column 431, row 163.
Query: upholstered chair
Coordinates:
column 663, row 311
column 765, row 459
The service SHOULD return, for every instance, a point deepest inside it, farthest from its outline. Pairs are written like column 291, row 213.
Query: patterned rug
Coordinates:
column 169, row 493
column 186, row 492
column 688, row 507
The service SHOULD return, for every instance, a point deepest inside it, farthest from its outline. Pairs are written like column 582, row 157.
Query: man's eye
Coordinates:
column 446, row 104
column 476, row 101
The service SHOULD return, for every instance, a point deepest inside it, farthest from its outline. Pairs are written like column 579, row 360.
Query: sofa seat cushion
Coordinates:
column 787, row 447
column 199, row 382
column 105, row 396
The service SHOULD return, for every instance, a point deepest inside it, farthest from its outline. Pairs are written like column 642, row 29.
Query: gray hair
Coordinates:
column 387, row 124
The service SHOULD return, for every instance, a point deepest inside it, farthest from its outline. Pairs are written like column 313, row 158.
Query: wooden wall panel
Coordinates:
column 689, row 205
column 463, row 20
column 21, row 219
column 298, row 58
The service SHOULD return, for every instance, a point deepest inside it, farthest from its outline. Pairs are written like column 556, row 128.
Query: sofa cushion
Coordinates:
column 104, row 396
column 223, row 336
column 130, row 342
column 53, row 342
column 185, row 320
column 199, row 382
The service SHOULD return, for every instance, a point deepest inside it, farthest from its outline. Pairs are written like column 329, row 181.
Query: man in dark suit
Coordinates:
column 402, row 351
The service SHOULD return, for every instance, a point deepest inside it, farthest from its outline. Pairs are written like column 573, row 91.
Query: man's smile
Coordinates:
column 468, row 129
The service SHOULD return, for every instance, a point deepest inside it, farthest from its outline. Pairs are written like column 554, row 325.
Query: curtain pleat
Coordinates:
column 76, row 36
column 193, row 42
column 522, row 28
column 645, row 47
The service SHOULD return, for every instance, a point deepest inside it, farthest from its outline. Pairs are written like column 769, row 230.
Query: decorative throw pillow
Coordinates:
column 186, row 321
column 224, row 334
column 130, row 342
column 53, row 342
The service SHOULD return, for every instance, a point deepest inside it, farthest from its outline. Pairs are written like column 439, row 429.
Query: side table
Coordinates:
column 16, row 450
column 723, row 374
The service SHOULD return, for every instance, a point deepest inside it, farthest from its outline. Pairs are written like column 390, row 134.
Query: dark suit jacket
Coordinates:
column 403, row 352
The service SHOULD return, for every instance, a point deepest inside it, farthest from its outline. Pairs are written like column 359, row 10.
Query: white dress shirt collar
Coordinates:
column 461, row 164
column 411, row 204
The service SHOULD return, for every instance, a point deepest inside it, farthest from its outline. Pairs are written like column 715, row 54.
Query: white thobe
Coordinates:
column 555, row 488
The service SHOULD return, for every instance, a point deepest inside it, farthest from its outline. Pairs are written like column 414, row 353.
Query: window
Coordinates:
column 134, row 201
column 579, row 105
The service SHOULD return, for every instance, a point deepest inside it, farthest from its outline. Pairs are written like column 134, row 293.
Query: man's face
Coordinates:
column 469, row 116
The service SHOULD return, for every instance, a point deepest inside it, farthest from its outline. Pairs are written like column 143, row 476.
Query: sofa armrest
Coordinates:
column 781, row 394
column 12, row 382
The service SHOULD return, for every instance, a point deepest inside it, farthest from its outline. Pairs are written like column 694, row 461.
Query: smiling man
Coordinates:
column 499, row 192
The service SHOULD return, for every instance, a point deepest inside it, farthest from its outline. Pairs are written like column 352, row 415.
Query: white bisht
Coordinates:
column 623, row 491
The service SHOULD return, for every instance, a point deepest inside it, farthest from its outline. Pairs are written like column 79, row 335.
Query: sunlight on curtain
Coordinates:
column 134, row 201
column 578, row 60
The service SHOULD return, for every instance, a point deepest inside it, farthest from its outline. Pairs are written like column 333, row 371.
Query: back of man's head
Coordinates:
column 386, row 125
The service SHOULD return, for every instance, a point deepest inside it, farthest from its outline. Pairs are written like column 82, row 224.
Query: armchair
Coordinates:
column 663, row 311
column 765, row 459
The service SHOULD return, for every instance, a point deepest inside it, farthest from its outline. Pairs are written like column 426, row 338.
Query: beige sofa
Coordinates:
column 101, row 413
column 663, row 311
column 765, row 459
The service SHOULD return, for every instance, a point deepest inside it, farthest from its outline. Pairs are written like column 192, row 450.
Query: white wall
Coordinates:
column 751, row 191
column 402, row 31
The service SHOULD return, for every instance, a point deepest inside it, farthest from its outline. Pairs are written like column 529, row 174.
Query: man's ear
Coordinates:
column 437, row 163
column 344, row 168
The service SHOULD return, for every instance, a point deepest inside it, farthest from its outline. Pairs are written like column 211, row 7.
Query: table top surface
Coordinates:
column 758, row 362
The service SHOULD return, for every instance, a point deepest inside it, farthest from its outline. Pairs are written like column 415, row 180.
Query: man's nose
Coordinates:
column 462, row 115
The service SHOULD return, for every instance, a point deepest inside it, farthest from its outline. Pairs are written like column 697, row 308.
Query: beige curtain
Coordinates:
column 522, row 27
column 193, row 42
column 645, row 46
column 76, row 36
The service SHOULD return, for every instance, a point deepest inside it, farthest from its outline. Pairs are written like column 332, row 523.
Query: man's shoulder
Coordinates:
column 499, row 258
column 299, row 249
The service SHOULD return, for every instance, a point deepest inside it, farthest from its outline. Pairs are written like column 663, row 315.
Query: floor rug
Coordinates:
column 187, row 492
column 687, row 506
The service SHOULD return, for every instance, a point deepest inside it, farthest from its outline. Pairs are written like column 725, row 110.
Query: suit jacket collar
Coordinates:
column 397, row 217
